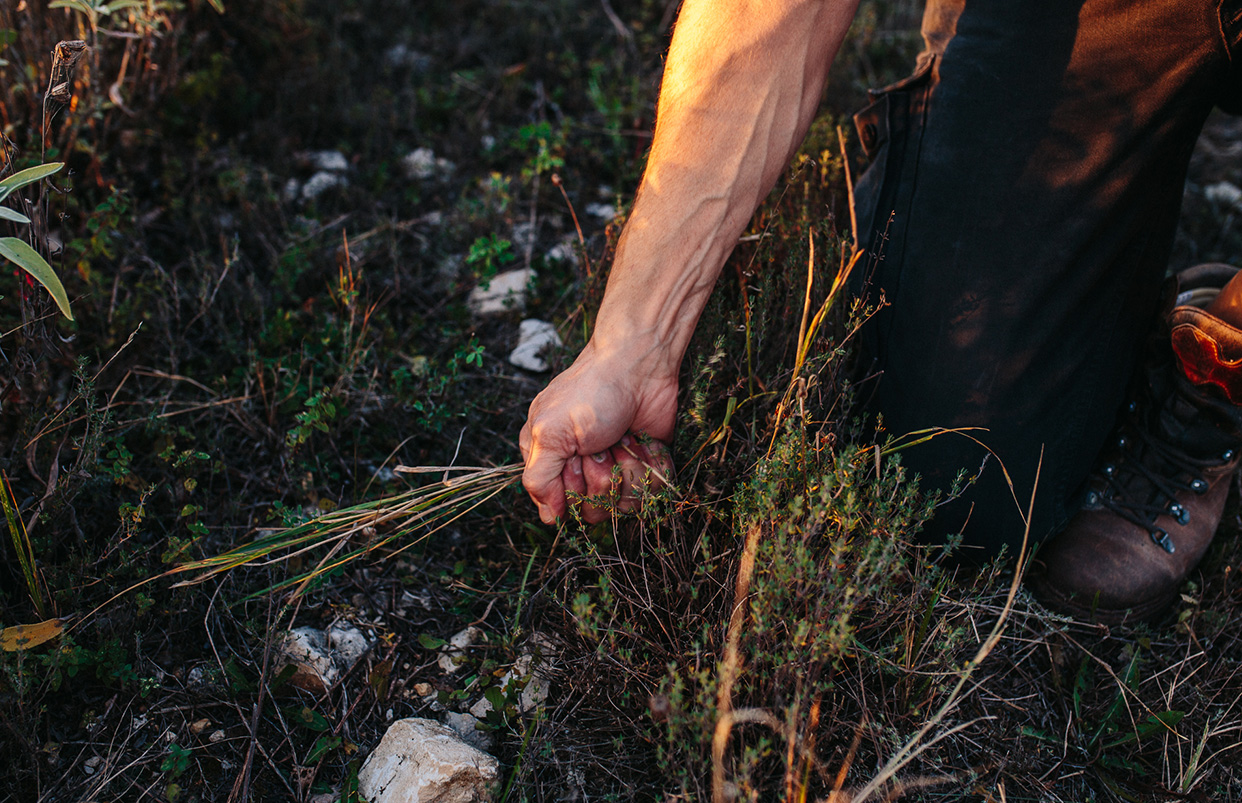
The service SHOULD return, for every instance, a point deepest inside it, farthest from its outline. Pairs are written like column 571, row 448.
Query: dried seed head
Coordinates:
column 65, row 58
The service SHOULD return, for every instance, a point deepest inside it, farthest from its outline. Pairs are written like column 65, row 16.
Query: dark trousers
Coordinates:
column 1022, row 200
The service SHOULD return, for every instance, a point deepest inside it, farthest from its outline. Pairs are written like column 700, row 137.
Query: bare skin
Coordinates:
column 741, row 87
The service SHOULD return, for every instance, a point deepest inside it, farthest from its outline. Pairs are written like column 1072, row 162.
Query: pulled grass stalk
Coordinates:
column 413, row 515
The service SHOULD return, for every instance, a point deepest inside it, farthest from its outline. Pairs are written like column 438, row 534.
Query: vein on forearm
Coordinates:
column 739, row 91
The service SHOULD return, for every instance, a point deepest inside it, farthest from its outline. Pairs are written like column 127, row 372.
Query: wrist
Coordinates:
column 632, row 347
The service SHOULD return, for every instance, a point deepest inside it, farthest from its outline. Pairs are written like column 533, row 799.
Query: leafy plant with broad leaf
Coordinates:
column 17, row 250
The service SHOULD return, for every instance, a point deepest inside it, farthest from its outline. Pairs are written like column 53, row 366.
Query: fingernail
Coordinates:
column 599, row 457
column 626, row 440
column 575, row 465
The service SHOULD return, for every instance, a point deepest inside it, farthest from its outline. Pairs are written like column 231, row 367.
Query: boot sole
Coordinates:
column 1055, row 600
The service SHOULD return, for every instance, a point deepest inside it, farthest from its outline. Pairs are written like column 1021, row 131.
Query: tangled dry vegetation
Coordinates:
column 269, row 225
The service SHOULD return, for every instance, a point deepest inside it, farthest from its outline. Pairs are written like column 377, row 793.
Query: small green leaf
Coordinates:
column 26, row 258
column 76, row 5
column 1155, row 723
column 218, row 5
column 323, row 745
column 430, row 642
column 28, row 176
column 13, row 215
column 7, row 37
column 497, row 698
column 311, row 719
column 283, row 677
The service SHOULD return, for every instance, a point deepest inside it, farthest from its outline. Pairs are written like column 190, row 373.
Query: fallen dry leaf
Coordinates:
column 23, row 637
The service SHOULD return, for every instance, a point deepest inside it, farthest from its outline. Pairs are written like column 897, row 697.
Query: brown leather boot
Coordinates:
column 1153, row 505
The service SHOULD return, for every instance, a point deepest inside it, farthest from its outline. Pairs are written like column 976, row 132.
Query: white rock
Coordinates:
column 536, row 692
column 564, row 251
column 348, row 644
column 332, row 161
column 524, row 235
column 526, row 668
column 309, row 651
column 505, row 291
column 292, row 191
column 467, row 727
column 1224, row 193
column 487, row 141
column 92, row 765
column 320, row 183
column 421, row 164
column 420, row 761
column 459, row 642
column 602, row 211
column 533, row 337
column 402, row 55
column 409, row 599
column 450, row 267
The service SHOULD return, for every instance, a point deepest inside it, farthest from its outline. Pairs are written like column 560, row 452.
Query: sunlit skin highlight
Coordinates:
column 740, row 89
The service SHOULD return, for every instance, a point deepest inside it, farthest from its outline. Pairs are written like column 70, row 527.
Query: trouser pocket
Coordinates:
column 889, row 130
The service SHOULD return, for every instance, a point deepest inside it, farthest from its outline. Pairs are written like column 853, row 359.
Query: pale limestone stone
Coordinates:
column 348, row 644
column 332, row 161
column 459, row 642
column 532, row 667
column 320, row 183
column 467, row 727
column 602, row 211
column 533, row 337
column 421, row 761
column 422, row 164
column 1225, row 194
column 504, row 291
column 308, row 650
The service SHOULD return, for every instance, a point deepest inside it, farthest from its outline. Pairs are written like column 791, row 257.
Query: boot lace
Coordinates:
column 1143, row 480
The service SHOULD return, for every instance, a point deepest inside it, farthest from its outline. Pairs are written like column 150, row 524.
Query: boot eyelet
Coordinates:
column 1227, row 456
column 1093, row 499
column 1163, row 540
column 1131, row 407
column 1122, row 442
column 1108, row 469
column 1199, row 485
column 1180, row 513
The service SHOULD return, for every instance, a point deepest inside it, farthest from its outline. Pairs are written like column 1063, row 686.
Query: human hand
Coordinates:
column 610, row 408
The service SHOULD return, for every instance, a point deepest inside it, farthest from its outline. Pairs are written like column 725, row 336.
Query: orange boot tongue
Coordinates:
column 1208, row 342
column 1228, row 305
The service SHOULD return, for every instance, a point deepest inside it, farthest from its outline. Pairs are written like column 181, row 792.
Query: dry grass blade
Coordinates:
column 413, row 514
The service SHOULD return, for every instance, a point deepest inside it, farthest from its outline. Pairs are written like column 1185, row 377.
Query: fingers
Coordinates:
column 542, row 477
column 617, row 474
column 597, row 471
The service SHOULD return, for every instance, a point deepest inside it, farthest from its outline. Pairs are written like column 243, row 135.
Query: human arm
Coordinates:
column 741, row 86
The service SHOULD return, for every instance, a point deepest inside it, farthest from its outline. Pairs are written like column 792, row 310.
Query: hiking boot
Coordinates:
column 1152, row 506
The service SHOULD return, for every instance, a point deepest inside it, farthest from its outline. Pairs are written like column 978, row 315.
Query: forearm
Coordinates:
column 740, row 89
